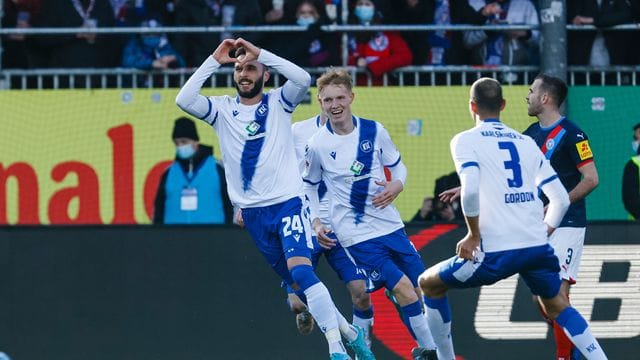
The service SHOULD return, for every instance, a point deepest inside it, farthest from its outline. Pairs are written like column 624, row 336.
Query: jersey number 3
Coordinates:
column 513, row 164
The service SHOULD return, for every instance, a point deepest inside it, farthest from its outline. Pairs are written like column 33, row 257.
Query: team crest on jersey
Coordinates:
column 550, row 144
column 375, row 275
column 262, row 109
column 366, row 146
column 356, row 167
column 584, row 150
column 252, row 128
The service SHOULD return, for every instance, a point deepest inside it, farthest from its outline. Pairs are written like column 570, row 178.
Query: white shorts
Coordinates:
column 567, row 243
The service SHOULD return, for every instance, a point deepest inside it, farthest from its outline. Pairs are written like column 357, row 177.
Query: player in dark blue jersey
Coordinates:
column 567, row 147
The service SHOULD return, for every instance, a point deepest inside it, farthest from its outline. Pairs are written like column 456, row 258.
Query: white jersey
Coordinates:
column 512, row 168
column 255, row 140
column 302, row 132
column 349, row 165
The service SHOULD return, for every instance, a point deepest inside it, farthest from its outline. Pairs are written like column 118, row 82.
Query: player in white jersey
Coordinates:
column 336, row 257
column 500, row 172
column 254, row 130
column 349, row 154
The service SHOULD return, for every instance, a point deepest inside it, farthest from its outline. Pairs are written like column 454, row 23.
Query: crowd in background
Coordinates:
column 377, row 51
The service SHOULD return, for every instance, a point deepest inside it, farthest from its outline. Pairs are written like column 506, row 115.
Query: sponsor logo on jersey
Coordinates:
column 235, row 112
column 252, row 128
column 584, row 150
column 356, row 167
column 333, row 155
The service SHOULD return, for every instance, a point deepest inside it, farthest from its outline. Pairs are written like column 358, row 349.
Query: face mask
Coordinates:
column 185, row 151
column 634, row 145
column 306, row 20
column 364, row 13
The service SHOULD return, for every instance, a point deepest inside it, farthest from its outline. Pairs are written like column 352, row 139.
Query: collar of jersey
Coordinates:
column 353, row 118
column 491, row 120
column 554, row 124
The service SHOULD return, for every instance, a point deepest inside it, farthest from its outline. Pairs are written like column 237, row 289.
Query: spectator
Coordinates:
column 631, row 178
column 18, row 14
column 440, row 47
column 195, row 48
column 82, row 50
column 377, row 52
column 150, row 51
column 193, row 189
column 312, row 47
column 433, row 209
column 600, row 48
column 511, row 47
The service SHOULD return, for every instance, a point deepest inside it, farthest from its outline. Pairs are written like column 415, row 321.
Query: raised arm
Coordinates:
column 189, row 98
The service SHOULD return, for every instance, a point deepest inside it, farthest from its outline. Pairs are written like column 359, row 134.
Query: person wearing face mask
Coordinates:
column 193, row 189
column 151, row 51
column 631, row 178
column 377, row 52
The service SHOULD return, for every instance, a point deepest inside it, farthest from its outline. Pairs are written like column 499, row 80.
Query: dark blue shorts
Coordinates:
column 280, row 231
column 386, row 259
column 537, row 265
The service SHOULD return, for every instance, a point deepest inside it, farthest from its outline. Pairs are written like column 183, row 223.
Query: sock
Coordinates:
column 364, row 319
column 564, row 346
column 418, row 325
column 320, row 305
column 349, row 332
column 439, row 319
column 577, row 329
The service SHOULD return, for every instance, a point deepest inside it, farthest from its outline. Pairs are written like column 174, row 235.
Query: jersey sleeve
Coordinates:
column 462, row 152
column 312, row 168
column 389, row 151
column 579, row 148
column 299, row 144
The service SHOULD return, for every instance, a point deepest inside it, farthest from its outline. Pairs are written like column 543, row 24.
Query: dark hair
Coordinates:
column 636, row 127
column 555, row 86
column 487, row 94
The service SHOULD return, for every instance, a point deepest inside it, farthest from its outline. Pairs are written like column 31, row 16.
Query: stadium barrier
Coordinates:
column 144, row 293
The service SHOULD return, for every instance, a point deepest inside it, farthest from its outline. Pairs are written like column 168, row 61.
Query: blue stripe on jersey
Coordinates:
column 360, row 188
column 252, row 147
column 556, row 140
column 469, row 163
column 208, row 111
column 215, row 118
column 311, row 182
column 286, row 102
column 322, row 190
column 395, row 163
column 546, row 181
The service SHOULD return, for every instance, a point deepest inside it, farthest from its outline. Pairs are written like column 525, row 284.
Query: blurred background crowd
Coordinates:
column 377, row 51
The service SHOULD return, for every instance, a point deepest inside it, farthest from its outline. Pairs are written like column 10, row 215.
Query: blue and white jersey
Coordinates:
column 255, row 174
column 302, row 132
column 255, row 140
column 349, row 165
column 511, row 168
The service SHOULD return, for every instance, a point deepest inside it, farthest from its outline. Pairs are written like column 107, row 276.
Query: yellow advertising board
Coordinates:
column 95, row 156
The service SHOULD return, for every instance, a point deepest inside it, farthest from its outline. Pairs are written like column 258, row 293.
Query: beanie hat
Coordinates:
column 185, row 128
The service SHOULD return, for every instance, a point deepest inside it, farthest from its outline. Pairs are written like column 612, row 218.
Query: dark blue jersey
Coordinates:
column 567, row 147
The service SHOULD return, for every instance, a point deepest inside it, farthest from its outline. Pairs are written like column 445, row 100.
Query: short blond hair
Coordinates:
column 335, row 76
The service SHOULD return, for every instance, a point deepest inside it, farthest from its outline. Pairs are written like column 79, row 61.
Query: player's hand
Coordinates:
column 221, row 54
column 239, row 219
column 390, row 193
column 251, row 51
column 321, row 234
column 448, row 196
column 467, row 247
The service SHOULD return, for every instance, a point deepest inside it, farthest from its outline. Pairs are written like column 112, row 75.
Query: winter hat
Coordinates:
column 185, row 128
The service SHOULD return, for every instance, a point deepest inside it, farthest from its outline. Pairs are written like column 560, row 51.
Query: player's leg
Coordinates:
column 348, row 272
column 438, row 309
column 377, row 260
column 304, row 320
column 567, row 243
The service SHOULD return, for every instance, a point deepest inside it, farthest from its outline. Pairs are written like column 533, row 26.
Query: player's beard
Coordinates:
column 255, row 90
column 533, row 110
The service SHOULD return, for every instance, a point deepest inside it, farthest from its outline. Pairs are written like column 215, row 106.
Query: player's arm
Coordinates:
column 391, row 160
column 298, row 80
column 630, row 190
column 468, row 170
column 312, row 176
column 588, row 182
column 547, row 180
column 189, row 98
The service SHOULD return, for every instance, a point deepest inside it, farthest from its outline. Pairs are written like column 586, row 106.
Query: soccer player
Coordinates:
column 336, row 257
column 500, row 173
column 349, row 154
column 566, row 146
column 254, row 130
